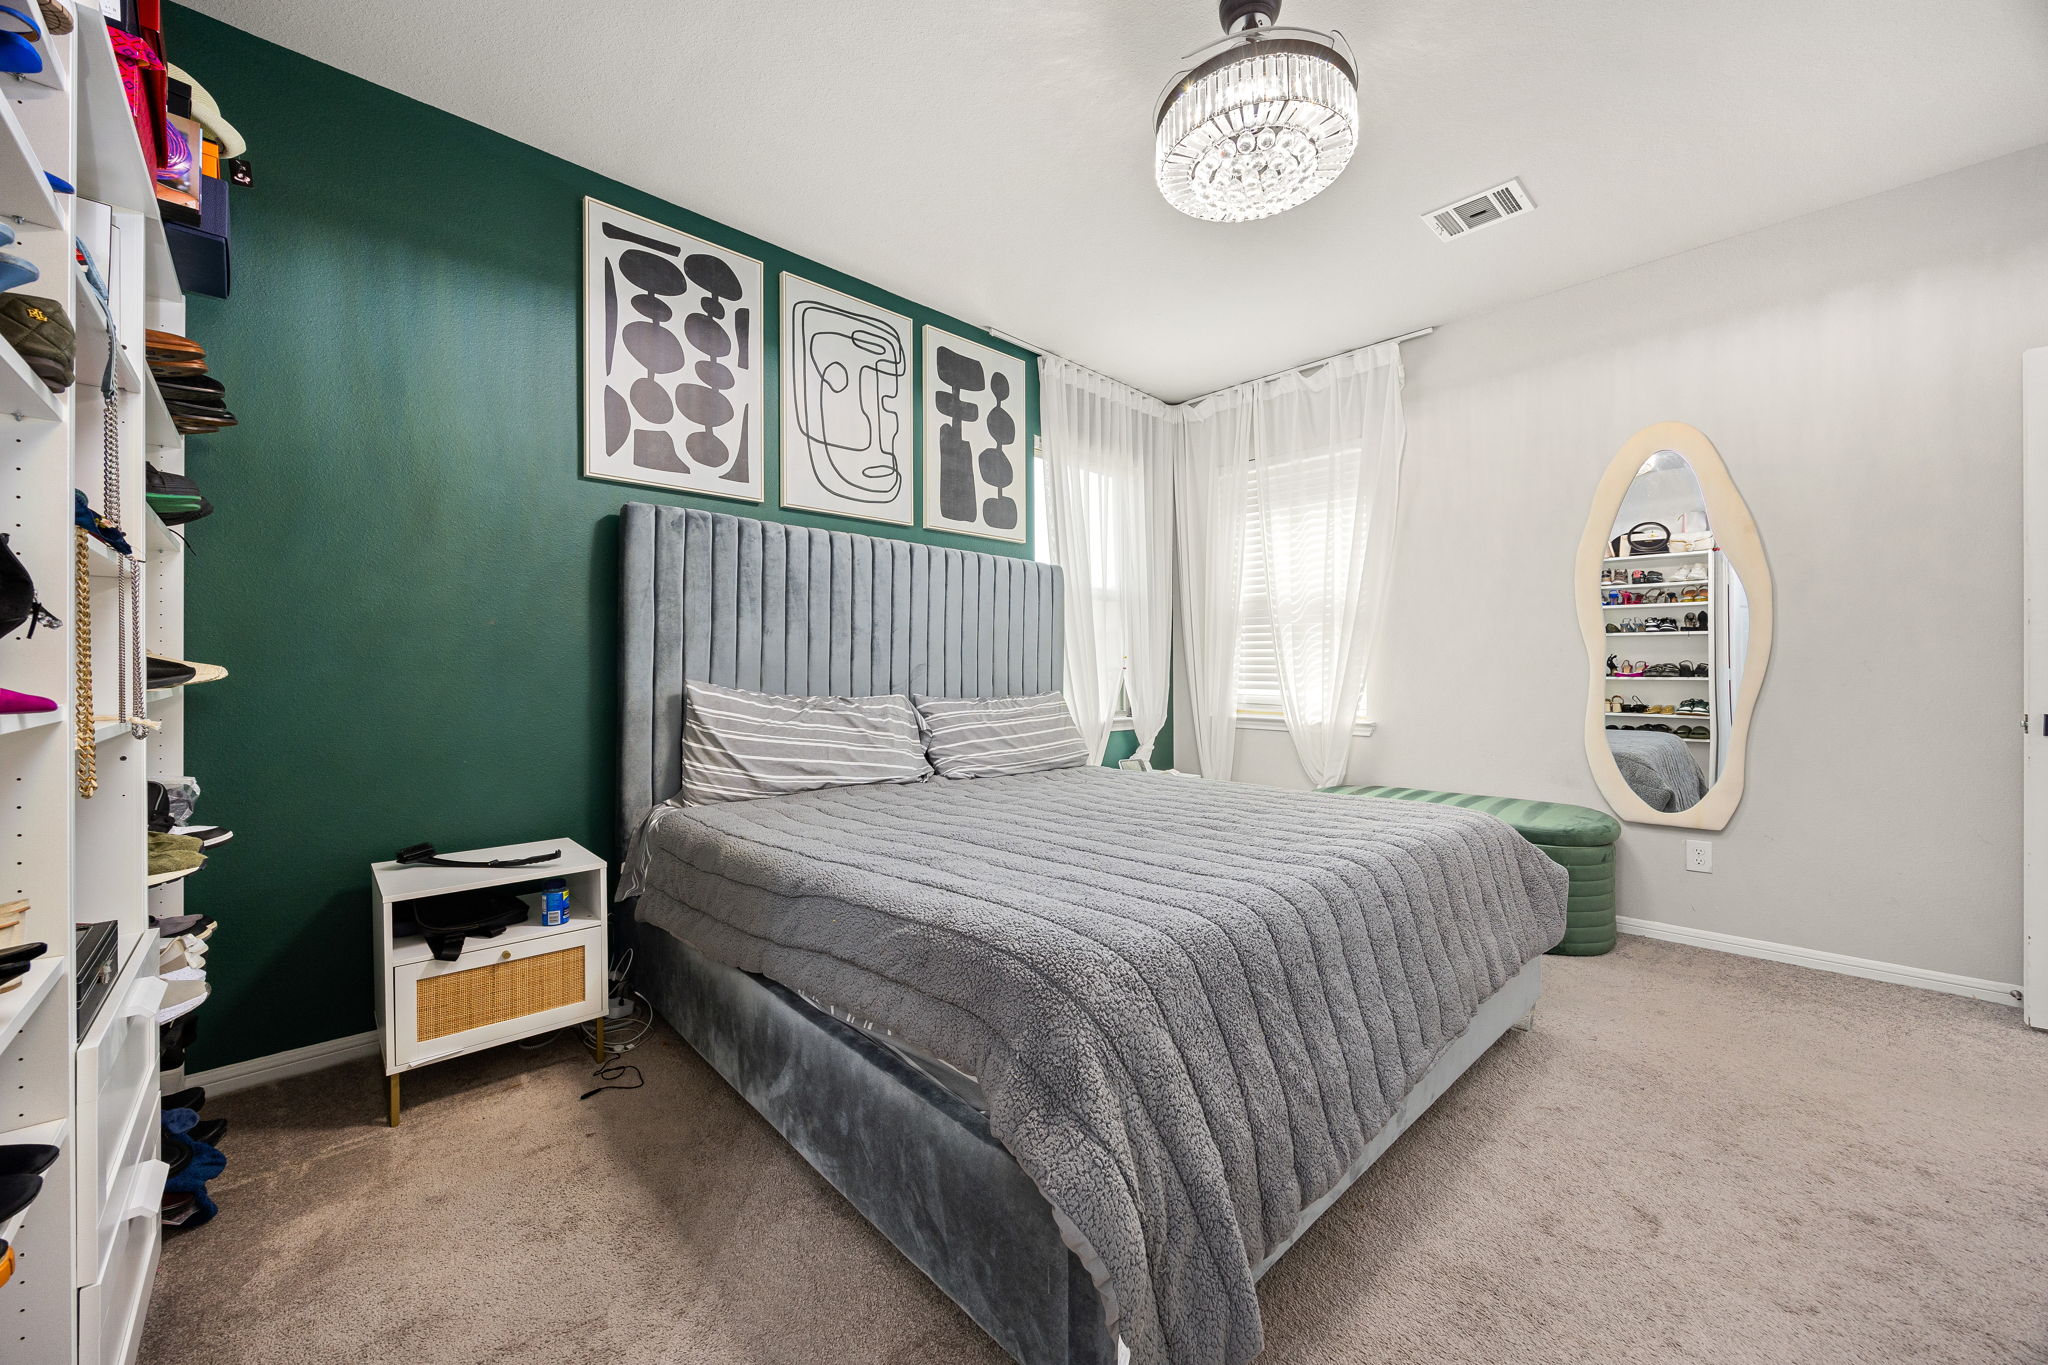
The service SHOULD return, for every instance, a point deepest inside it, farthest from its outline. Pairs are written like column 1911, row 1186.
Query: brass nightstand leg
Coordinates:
column 599, row 1047
column 392, row 1121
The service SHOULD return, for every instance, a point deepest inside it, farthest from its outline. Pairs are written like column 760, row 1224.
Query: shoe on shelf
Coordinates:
column 208, row 1131
column 27, row 1158
column 57, row 20
column 192, row 1097
column 11, row 974
column 177, row 926
column 207, row 835
column 180, row 999
column 14, row 703
column 17, row 1192
column 167, row 672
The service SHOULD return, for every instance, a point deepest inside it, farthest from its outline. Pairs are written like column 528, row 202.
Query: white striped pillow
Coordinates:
column 998, row 736
column 738, row 745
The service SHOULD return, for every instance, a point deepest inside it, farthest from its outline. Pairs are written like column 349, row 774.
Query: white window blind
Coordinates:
column 1305, row 529
column 1258, row 667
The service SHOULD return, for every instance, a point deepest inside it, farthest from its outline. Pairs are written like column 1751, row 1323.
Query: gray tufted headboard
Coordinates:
column 792, row 609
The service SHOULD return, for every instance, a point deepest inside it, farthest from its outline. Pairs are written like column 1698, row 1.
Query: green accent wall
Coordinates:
column 407, row 577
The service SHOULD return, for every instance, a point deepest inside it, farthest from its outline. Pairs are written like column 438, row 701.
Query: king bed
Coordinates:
column 1091, row 1048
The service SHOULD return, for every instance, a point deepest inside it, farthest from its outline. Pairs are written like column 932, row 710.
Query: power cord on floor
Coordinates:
column 627, row 1021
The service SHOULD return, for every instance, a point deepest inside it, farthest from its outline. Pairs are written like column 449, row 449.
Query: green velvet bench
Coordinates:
column 1579, row 839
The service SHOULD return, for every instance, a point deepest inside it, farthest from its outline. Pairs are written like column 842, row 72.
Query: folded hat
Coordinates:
column 207, row 111
column 16, row 271
column 168, row 672
column 170, row 344
column 173, row 853
column 199, row 423
column 40, row 330
column 18, row 54
column 198, row 385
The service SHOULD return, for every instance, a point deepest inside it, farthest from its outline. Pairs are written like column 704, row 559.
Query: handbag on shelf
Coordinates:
column 1643, row 538
column 18, row 595
column 1693, row 534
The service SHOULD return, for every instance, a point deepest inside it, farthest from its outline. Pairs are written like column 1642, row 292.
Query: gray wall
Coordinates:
column 1859, row 371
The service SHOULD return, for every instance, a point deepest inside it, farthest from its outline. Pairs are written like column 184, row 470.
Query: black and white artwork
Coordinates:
column 848, row 403
column 973, row 438
column 672, row 333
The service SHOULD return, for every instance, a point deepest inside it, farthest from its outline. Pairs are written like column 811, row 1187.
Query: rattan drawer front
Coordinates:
column 460, row 1002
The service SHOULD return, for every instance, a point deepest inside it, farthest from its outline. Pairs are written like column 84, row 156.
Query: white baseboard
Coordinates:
column 1997, row 992
column 226, row 1080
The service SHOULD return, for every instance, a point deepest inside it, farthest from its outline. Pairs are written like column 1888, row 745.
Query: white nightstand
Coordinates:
column 530, row 979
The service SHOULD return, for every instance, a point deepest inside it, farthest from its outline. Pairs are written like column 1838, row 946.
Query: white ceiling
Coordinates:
column 992, row 158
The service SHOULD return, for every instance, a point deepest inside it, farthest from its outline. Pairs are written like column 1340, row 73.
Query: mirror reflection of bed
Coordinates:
column 1677, row 619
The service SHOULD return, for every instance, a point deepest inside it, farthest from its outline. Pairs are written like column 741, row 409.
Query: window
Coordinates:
column 1258, row 664
column 1310, row 535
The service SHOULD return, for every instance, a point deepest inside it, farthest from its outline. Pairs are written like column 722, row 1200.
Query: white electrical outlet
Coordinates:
column 1699, row 855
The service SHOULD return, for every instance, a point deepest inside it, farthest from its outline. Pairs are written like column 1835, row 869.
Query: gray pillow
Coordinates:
column 739, row 745
column 998, row 736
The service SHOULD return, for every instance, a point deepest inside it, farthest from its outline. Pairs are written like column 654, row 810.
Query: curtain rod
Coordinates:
column 1307, row 365
column 1291, row 369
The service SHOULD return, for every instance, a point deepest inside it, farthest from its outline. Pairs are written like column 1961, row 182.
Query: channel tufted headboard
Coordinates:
column 800, row 611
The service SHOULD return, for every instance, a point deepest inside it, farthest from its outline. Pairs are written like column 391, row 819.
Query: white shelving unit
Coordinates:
column 1706, row 643
column 87, row 1249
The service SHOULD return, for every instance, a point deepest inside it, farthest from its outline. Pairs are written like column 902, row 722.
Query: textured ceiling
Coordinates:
column 992, row 158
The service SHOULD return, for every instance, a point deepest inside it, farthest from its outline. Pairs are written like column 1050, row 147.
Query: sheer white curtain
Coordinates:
column 1211, row 482
column 1109, row 495
column 1326, row 471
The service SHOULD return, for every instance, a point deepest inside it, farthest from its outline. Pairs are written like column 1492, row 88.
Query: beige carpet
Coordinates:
column 1694, row 1157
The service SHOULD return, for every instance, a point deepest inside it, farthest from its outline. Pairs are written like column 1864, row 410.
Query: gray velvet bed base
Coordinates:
column 916, row 1161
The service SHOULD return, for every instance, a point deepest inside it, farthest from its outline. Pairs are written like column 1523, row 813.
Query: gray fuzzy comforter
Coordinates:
column 1658, row 767
column 1191, row 1004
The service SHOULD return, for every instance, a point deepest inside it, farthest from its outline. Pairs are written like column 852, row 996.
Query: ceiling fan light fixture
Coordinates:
column 1264, row 120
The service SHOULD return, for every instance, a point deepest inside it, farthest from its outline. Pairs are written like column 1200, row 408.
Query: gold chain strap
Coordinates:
column 81, row 624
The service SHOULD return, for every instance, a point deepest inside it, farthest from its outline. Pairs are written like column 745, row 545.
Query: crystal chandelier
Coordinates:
column 1263, row 120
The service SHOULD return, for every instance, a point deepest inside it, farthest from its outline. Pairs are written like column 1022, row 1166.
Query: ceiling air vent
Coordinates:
column 1479, row 211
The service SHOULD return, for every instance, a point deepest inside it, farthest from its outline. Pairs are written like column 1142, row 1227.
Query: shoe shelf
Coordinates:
column 23, row 189
column 1658, row 559
column 30, row 720
column 95, row 334
column 1644, row 606
column 105, row 563
column 53, row 79
column 1640, row 634
column 24, row 397
column 19, row 1005
column 160, row 432
column 90, row 1242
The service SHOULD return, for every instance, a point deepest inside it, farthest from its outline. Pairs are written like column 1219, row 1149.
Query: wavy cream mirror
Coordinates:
column 1674, row 599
